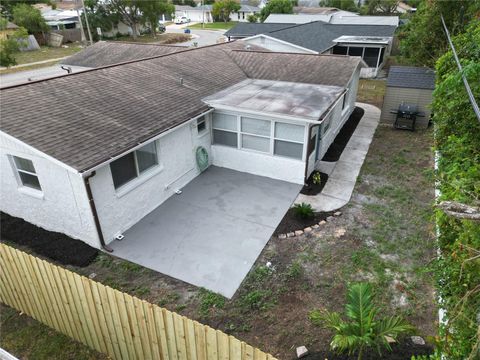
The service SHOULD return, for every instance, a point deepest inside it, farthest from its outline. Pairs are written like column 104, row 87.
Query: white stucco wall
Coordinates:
column 61, row 206
column 120, row 209
column 274, row 167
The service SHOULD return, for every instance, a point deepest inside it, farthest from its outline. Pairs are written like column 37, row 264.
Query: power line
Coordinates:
column 465, row 82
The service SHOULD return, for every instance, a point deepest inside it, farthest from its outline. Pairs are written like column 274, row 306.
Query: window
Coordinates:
column 289, row 140
column 340, row 50
column 26, row 172
column 371, row 56
column 355, row 51
column 201, row 125
column 326, row 123
column 132, row 165
column 225, row 130
column 344, row 100
column 256, row 134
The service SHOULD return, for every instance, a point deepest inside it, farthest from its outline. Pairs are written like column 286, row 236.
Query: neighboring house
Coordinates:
column 244, row 12
column 9, row 30
column 99, row 150
column 372, row 43
column 201, row 13
column 410, row 86
column 320, row 10
column 339, row 18
column 61, row 19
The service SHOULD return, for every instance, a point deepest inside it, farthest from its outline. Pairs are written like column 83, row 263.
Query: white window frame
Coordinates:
column 21, row 186
column 272, row 137
column 141, row 177
column 269, row 137
column 200, row 120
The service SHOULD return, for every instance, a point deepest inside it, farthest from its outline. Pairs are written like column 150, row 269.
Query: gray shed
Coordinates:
column 409, row 85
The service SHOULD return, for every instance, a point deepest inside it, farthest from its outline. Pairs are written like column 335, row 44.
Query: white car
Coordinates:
column 182, row 20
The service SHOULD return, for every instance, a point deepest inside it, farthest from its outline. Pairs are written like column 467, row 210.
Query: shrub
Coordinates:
column 303, row 210
column 208, row 300
column 362, row 329
column 317, row 179
column 257, row 300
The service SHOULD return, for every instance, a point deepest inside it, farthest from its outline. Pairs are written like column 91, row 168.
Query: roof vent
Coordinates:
column 248, row 47
column 181, row 81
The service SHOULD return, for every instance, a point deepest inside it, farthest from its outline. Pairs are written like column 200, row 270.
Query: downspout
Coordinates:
column 86, row 180
column 309, row 140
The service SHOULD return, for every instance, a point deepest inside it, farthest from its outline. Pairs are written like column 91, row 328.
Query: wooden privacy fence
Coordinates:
column 110, row 321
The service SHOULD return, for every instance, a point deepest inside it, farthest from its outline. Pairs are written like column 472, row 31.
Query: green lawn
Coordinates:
column 26, row 338
column 46, row 53
column 215, row 25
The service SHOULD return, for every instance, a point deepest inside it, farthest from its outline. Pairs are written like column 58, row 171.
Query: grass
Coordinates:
column 26, row 338
column 371, row 92
column 210, row 300
column 46, row 53
column 214, row 25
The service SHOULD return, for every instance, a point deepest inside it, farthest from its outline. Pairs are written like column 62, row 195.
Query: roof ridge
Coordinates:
column 298, row 25
column 107, row 67
column 290, row 53
column 137, row 43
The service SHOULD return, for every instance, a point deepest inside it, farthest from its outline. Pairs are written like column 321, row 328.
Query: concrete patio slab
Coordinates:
column 212, row 233
column 343, row 173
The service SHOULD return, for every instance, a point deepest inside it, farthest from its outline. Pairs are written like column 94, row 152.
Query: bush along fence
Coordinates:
column 110, row 321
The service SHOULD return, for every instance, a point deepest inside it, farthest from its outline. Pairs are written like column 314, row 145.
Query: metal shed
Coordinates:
column 409, row 85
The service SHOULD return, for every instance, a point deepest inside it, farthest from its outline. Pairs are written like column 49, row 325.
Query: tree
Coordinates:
column 11, row 45
column 384, row 7
column 423, row 40
column 99, row 16
column 152, row 10
column 223, row 8
column 253, row 18
column 347, row 5
column 276, row 7
column 362, row 329
column 130, row 13
column 31, row 19
column 185, row 2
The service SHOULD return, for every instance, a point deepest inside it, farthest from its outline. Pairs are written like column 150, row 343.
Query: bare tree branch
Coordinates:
column 460, row 211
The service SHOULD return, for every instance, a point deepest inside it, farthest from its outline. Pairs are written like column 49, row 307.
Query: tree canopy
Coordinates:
column 347, row 5
column 9, row 46
column 423, row 40
column 31, row 19
column 276, row 7
column 223, row 8
column 152, row 10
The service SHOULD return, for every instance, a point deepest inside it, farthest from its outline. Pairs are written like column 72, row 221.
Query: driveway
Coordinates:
column 201, row 37
column 212, row 233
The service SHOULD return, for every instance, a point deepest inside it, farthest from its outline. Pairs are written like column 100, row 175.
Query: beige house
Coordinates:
column 409, row 86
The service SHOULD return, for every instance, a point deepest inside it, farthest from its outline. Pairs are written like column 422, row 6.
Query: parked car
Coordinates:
column 181, row 20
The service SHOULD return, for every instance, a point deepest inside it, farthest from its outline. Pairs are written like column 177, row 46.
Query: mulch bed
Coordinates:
column 291, row 222
column 402, row 351
column 313, row 189
column 56, row 246
column 335, row 150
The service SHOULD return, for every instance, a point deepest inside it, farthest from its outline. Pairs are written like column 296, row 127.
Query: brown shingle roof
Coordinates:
column 105, row 53
column 86, row 118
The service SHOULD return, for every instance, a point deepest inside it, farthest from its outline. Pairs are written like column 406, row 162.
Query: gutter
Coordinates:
column 91, row 201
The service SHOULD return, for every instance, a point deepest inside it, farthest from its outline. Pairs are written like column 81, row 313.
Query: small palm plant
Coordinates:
column 303, row 210
column 362, row 329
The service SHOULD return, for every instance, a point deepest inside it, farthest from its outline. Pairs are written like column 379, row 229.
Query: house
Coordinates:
column 372, row 43
column 10, row 28
column 412, row 86
column 338, row 17
column 96, row 151
column 201, row 13
column 244, row 12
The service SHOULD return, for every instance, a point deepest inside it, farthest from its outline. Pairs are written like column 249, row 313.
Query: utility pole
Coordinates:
column 86, row 21
column 203, row 14
column 84, row 39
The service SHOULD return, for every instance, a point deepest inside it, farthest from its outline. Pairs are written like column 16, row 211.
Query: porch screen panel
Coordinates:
column 339, row 50
column 256, row 134
column 355, row 51
column 371, row 56
column 225, row 130
column 256, row 126
column 289, row 140
column 255, row 143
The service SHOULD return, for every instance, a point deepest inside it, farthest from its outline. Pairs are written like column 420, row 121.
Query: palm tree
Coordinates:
column 362, row 329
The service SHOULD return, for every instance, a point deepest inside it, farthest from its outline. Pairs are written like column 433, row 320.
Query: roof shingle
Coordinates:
column 411, row 77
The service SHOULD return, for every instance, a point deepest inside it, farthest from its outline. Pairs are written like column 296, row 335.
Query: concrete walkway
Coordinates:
column 342, row 175
column 33, row 63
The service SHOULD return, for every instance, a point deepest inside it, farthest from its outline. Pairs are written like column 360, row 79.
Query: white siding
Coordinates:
column 394, row 96
column 63, row 206
column 118, row 211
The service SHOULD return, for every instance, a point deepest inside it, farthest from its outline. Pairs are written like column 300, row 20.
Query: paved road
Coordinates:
column 201, row 37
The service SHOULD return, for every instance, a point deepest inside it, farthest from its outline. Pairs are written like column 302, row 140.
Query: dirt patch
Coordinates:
column 292, row 222
column 56, row 246
column 335, row 150
column 312, row 188
column 173, row 38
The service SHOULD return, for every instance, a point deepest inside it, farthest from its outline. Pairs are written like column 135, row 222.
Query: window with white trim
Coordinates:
column 132, row 165
column 225, row 130
column 26, row 173
column 256, row 134
column 201, row 125
column 289, row 140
